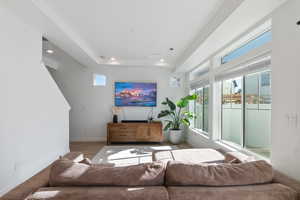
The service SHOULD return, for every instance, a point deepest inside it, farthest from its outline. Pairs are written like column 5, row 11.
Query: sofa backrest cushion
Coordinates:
column 188, row 174
column 68, row 173
column 237, row 157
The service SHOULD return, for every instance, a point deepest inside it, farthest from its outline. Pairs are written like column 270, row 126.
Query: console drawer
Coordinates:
column 134, row 132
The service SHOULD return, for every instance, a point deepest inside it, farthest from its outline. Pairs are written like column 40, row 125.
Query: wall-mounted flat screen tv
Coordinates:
column 135, row 94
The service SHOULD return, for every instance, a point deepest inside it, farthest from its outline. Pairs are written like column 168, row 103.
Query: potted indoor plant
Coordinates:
column 175, row 116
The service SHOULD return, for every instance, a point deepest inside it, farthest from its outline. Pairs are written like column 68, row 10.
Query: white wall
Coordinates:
column 33, row 113
column 286, row 88
column 91, row 106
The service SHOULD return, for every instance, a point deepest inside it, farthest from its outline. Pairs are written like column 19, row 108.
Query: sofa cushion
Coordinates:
column 253, row 192
column 256, row 172
column 68, row 173
column 100, row 193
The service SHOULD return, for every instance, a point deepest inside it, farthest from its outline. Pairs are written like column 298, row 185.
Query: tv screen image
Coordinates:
column 135, row 94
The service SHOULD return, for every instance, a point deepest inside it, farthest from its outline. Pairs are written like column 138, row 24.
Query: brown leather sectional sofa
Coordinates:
column 70, row 180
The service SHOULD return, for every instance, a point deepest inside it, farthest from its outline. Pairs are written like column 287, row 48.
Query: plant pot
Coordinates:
column 175, row 136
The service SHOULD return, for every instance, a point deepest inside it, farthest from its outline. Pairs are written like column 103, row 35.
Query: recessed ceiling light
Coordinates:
column 161, row 60
column 50, row 51
column 113, row 61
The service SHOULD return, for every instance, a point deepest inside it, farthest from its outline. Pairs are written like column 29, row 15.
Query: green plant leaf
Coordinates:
column 164, row 113
column 186, row 121
column 189, row 115
column 176, row 116
column 182, row 103
column 164, row 103
column 167, row 127
column 170, row 104
column 191, row 97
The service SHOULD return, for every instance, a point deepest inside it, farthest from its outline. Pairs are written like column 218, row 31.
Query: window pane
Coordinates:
column 199, row 109
column 205, row 111
column 258, row 120
column 257, row 42
column 236, row 94
column 232, row 117
column 99, row 80
column 226, row 97
column 251, row 91
column 265, row 99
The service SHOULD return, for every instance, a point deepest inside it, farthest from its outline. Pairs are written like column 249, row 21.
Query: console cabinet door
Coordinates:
column 156, row 132
column 122, row 133
column 143, row 133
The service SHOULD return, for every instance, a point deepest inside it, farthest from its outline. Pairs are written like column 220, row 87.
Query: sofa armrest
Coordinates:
column 39, row 180
column 285, row 180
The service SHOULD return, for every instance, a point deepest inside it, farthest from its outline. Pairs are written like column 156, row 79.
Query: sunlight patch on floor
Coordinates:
column 128, row 155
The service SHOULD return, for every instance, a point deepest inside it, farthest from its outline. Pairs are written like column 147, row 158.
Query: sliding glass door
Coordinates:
column 246, row 112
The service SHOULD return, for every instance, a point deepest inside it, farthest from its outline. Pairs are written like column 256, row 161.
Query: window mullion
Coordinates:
column 259, row 93
column 244, row 112
column 203, row 114
column 195, row 111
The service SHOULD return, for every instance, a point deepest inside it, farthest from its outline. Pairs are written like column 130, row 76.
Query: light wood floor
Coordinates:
column 91, row 148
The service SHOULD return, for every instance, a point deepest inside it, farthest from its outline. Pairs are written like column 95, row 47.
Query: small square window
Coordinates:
column 99, row 80
column 175, row 82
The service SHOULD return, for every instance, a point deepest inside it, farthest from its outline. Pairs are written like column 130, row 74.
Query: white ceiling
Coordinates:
column 139, row 33
column 135, row 32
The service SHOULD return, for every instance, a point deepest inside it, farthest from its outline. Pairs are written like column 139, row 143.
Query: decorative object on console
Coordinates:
column 115, row 118
column 115, row 112
column 135, row 94
column 177, row 117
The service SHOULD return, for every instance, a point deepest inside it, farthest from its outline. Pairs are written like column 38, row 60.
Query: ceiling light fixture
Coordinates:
column 113, row 61
column 50, row 51
column 161, row 62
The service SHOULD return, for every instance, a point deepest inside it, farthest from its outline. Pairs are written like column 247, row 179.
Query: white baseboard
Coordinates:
column 88, row 139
